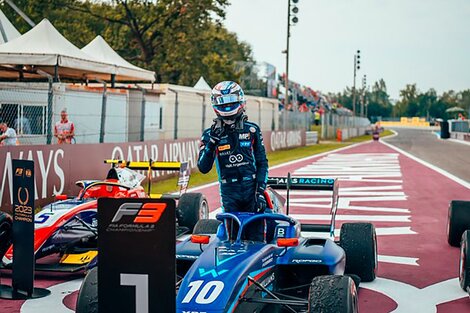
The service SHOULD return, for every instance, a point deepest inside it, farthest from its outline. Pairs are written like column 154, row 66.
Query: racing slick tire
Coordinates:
column 464, row 268
column 5, row 232
column 191, row 208
column 206, row 226
column 458, row 221
column 332, row 294
column 359, row 242
column 87, row 300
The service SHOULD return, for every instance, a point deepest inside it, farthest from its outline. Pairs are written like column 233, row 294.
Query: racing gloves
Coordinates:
column 260, row 201
column 214, row 135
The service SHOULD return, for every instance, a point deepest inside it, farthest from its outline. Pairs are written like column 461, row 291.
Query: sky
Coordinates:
column 426, row 42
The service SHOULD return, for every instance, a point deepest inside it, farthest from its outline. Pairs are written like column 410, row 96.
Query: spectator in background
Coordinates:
column 64, row 129
column 8, row 137
column 317, row 118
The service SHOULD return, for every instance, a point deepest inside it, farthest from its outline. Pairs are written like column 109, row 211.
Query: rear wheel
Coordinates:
column 87, row 301
column 464, row 271
column 458, row 221
column 332, row 294
column 206, row 226
column 5, row 233
column 191, row 208
column 359, row 242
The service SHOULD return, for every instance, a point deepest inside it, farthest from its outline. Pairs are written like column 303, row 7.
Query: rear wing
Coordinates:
column 149, row 166
column 146, row 165
column 303, row 183
column 310, row 183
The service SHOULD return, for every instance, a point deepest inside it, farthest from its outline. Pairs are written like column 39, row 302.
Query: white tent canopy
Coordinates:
column 202, row 84
column 100, row 50
column 44, row 47
column 7, row 30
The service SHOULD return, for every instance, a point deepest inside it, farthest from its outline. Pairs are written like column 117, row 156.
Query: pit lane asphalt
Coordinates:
column 450, row 156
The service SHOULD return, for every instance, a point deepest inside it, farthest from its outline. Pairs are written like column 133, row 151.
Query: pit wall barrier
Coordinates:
column 347, row 133
column 406, row 122
column 58, row 167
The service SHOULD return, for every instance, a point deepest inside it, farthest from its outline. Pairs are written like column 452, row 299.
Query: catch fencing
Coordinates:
column 350, row 125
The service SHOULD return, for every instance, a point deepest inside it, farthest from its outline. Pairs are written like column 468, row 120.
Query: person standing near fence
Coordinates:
column 8, row 137
column 64, row 130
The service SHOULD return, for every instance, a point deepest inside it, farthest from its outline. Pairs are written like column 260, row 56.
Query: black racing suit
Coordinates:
column 241, row 164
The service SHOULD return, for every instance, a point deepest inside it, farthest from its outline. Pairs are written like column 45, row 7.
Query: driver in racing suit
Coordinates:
column 237, row 147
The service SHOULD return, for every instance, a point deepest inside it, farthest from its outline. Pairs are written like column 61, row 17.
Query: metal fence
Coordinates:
column 331, row 122
column 131, row 115
column 460, row 126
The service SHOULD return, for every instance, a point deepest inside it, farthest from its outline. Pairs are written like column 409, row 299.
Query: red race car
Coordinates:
column 65, row 237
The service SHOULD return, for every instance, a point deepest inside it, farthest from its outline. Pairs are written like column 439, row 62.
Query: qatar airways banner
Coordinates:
column 58, row 167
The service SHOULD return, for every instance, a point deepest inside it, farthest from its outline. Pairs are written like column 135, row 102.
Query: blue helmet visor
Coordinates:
column 227, row 107
column 226, row 99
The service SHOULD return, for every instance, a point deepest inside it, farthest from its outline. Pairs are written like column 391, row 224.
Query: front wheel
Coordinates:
column 332, row 294
column 191, row 208
column 5, row 232
column 87, row 301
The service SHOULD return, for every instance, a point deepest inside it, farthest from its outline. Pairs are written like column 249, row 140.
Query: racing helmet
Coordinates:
column 228, row 100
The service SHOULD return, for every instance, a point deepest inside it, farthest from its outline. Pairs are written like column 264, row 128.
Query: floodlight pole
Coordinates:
column 286, row 99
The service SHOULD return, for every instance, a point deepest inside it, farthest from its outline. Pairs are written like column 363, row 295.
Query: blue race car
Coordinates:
column 285, row 273
column 220, row 269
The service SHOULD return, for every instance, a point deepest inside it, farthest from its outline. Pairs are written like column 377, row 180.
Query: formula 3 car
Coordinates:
column 224, row 271
column 65, row 237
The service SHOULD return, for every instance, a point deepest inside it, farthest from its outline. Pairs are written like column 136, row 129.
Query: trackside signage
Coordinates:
column 23, row 226
column 58, row 167
column 136, row 271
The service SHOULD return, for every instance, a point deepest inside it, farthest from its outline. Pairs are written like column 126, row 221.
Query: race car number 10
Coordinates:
column 205, row 295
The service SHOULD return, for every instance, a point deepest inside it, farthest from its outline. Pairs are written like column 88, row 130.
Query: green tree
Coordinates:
column 178, row 39
column 378, row 99
column 408, row 105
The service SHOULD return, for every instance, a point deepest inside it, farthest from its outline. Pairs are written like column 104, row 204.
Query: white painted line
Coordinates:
column 352, row 199
column 398, row 260
column 342, row 193
column 353, row 208
column 54, row 301
column 375, row 209
column 391, row 231
column 369, row 218
column 287, row 163
column 380, row 231
column 213, row 214
column 368, row 188
column 398, row 181
column 429, row 165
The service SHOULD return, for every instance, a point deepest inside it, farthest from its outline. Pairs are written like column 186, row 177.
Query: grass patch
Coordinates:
column 274, row 158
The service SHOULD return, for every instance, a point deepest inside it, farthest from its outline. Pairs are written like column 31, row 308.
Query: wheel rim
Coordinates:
column 376, row 258
column 448, row 224
column 354, row 298
column 462, row 262
column 204, row 210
